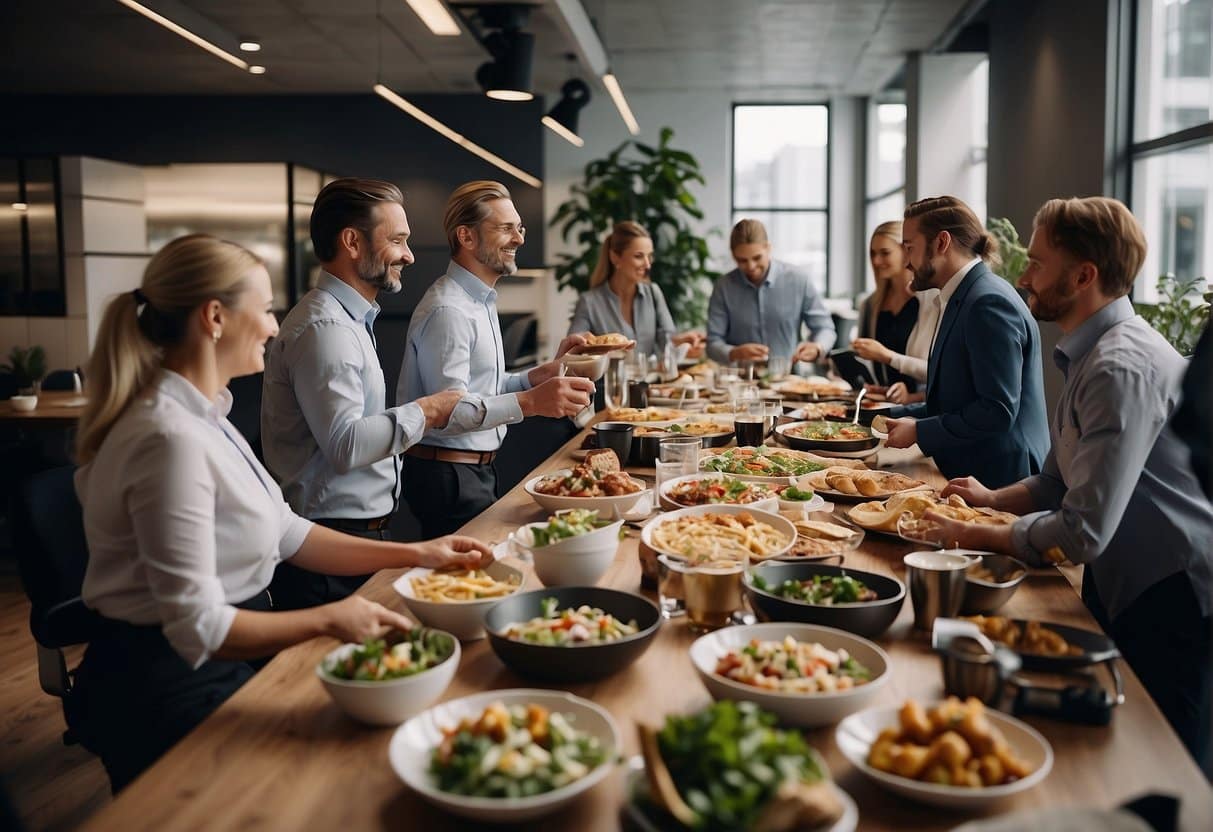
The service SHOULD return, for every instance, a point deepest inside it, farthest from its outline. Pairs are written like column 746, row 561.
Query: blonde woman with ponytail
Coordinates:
column 184, row 525
column 623, row 298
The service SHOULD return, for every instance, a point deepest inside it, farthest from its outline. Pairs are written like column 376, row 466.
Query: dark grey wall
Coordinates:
column 1049, row 119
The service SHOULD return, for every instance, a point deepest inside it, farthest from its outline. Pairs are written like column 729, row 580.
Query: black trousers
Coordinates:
column 134, row 696
column 1169, row 645
column 445, row 495
column 294, row 588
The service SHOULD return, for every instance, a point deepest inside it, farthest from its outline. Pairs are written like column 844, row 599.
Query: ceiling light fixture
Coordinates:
column 621, row 103
column 256, row 69
column 178, row 29
column 562, row 119
column 250, row 46
column 435, row 16
column 499, row 27
column 20, row 206
column 458, row 138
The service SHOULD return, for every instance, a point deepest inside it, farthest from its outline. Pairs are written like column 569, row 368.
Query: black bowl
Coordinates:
column 571, row 664
column 646, row 449
column 800, row 443
column 868, row 619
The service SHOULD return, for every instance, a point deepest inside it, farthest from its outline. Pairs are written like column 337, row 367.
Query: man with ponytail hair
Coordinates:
column 985, row 413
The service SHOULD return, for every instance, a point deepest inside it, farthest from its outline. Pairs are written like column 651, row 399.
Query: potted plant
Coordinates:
column 1013, row 253
column 1181, row 312
column 28, row 366
column 650, row 185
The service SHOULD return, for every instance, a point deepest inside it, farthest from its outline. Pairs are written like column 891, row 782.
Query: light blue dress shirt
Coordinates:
column 770, row 313
column 326, row 430
column 454, row 342
column 1116, row 488
column 600, row 311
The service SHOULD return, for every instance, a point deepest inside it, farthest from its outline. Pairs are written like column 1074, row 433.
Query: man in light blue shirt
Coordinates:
column 1116, row 492
column 757, row 310
column 454, row 341
column 327, row 432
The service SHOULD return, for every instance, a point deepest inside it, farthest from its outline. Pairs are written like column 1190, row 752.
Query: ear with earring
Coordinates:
column 216, row 335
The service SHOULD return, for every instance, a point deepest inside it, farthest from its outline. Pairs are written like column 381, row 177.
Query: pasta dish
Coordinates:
column 792, row 666
column 711, row 536
column 463, row 585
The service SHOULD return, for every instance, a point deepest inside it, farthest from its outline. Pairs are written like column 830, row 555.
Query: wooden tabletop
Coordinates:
column 279, row 754
column 55, row 408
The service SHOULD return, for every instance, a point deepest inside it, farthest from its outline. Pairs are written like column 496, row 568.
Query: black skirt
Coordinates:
column 134, row 696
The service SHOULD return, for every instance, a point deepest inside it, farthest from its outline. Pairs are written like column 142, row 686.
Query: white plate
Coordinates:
column 638, row 787
column 781, row 524
column 663, row 498
column 414, row 741
column 607, row 507
column 800, row 709
column 462, row 619
column 855, row 735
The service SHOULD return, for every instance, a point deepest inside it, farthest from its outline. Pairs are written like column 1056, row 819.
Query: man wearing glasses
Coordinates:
column 454, row 342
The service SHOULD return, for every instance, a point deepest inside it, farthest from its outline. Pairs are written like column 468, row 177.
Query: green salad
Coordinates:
column 824, row 590
column 794, row 493
column 514, row 751
column 400, row 653
column 763, row 462
column 566, row 524
column 728, row 760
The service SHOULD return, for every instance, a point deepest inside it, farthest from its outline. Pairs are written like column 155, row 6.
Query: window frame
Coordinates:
column 735, row 209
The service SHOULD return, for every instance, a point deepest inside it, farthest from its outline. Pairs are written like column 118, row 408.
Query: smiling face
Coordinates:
column 1050, row 278
column 887, row 257
column 499, row 236
column 635, row 262
column 248, row 325
column 753, row 260
column 388, row 251
column 918, row 258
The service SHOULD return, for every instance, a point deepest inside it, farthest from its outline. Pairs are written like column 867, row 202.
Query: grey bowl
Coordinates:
column 571, row 664
column 868, row 619
column 985, row 597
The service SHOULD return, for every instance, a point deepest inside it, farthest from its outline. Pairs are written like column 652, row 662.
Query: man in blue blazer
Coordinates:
column 984, row 415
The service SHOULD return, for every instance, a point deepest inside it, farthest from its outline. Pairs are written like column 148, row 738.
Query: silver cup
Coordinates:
column 937, row 584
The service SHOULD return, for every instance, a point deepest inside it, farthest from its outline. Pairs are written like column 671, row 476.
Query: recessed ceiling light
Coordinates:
column 256, row 69
column 509, row 95
column 20, row 206
column 250, row 46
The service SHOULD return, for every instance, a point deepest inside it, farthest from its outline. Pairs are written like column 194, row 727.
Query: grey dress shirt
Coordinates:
column 326, row 430
column 1116, row 488
column 454, row 342
column 770, row 313
column 600, row 311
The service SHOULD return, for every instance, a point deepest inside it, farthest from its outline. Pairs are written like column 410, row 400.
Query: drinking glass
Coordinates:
column 713, row 592
column 615, row 382
column 778, row 366
column 772, row 409
column 749, row 423
column 683, row 450
column 671, row 588
column 937, row 585
column 667, row 471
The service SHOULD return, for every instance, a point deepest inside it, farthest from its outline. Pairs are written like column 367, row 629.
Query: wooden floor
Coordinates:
column 52, row 786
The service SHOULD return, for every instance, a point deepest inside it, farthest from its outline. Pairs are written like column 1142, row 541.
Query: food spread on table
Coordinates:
column 820, row 590
column 1026, row 637
column 811, row 387
column 514, row 751
column 598, row 475
column 683, row 429
column 791, row 666
column 819, row 537
column 644, row 414
column 713, row 536
column 565, row 524
column 883, row 516
column 401, row 653
column 953, row 744
column 763, row 462
column 707, row 491
column 452, row 587
column 816, row 411
column 830, row 432
column 570, row 627
column 854, row 482
column 795, row 494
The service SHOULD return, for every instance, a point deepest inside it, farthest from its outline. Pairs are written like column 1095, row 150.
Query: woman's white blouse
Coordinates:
column 182, row 520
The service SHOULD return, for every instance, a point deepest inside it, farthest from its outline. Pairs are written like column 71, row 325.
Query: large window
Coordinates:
column 781, row 178
column 1172, row 149
column 885, row 188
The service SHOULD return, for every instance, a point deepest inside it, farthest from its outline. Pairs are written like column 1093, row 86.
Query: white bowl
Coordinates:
column 857, row 732
column 766, row 504
column 607, row 507
column 781, row 524
column 801, row 508
column 802, row 709
column 415, row 740
column 391, row 701
column 24, row 403
column 462, row 619
column 592, row 367
column 574, row 561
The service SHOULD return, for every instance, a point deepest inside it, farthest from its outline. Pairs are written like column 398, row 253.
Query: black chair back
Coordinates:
column 59, row 380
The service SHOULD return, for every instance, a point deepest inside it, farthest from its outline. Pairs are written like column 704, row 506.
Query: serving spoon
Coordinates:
column 863, row 391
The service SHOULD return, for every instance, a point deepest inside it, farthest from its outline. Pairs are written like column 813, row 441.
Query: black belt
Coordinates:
column 373, row 524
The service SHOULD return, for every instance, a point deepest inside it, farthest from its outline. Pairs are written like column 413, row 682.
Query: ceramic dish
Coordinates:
column 869, row 619
column 574, row 561
column 607, row 507
column 800, row 443
column 463, row 619
column 855, row 735
column 781, row 525
column 414, row 742
column 668, row 503
column 800, row 709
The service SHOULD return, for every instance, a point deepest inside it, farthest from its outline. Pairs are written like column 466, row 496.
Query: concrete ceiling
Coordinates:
column 757, row 49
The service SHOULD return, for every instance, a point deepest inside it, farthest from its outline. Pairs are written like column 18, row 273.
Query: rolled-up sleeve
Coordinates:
column 443, row 348
column 172, row 510
column 326, row 374
column 295, row 530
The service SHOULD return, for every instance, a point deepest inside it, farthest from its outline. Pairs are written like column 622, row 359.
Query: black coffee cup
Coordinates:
column 617, row 436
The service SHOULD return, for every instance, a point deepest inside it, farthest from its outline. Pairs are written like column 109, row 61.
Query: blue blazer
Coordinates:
column 984, row 415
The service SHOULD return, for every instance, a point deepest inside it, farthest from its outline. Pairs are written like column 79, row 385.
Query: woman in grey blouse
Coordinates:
column 623, row 299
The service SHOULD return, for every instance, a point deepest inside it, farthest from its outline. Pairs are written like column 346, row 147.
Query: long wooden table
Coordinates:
column 56, row 408
column 279, row 754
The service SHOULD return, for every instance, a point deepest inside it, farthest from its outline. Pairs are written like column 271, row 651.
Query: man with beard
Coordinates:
column 327, row 432
column 1116, row 492
column 454, row 341
column 984, row 413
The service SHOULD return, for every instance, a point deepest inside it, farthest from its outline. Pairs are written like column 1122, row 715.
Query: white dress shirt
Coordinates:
column 182, row 521
column 945, row 294
column 913, row 362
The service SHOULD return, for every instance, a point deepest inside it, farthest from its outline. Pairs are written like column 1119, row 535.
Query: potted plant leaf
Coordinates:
column 650, row 185
column 1012, row 251
column 1181, row 312
column 28, row 367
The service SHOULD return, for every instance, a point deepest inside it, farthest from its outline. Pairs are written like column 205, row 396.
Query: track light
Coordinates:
column 562, row 119
column 621, row 104
column 508, row 76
